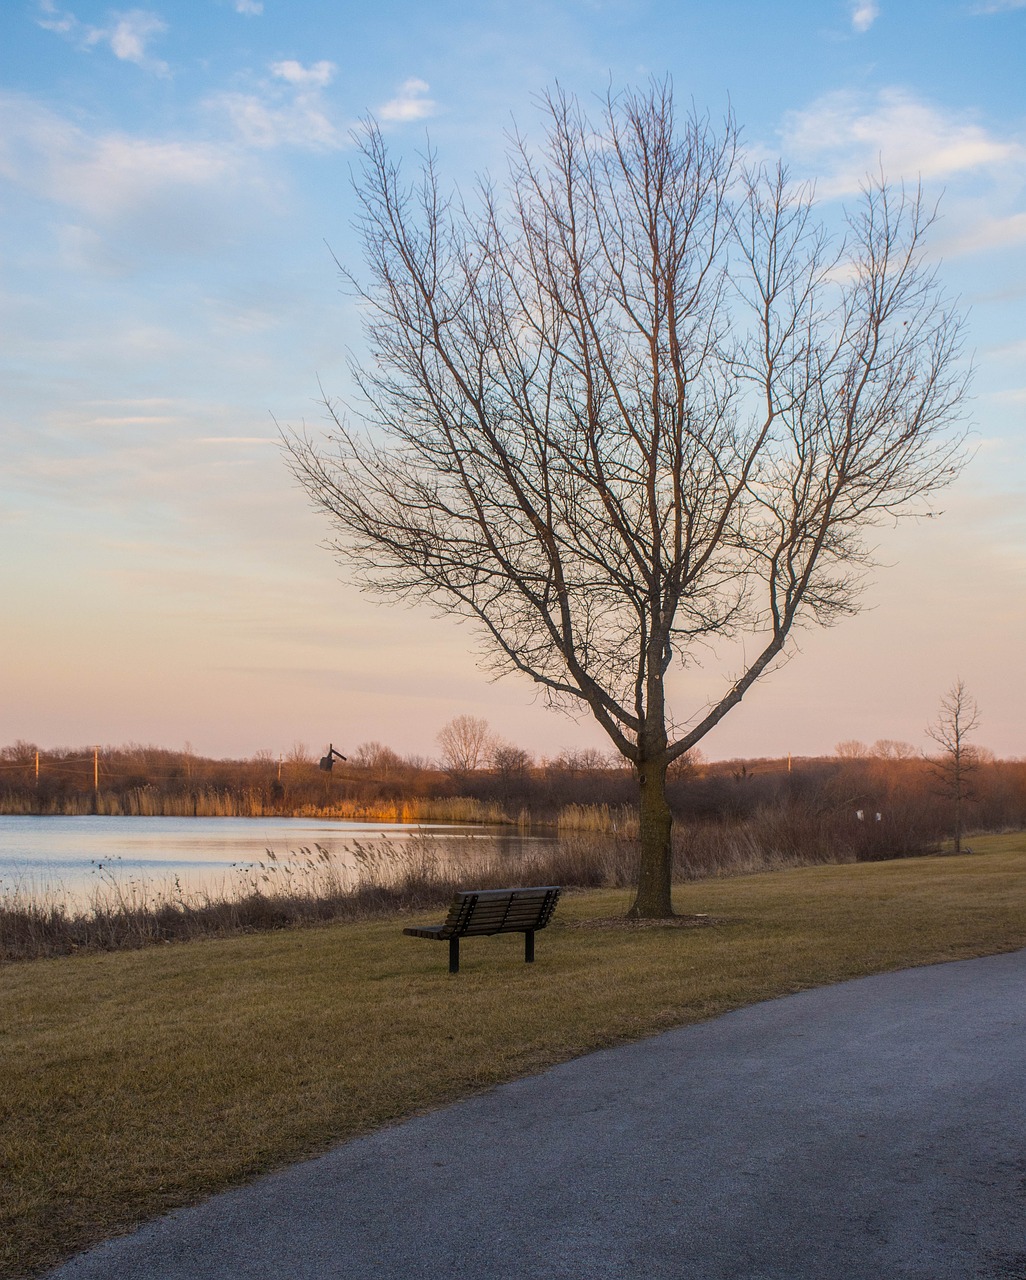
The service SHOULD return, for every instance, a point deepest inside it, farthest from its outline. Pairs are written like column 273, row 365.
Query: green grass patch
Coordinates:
column 135, row 1082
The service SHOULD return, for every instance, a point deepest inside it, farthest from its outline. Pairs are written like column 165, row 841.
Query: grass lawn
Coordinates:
column 135, row 1082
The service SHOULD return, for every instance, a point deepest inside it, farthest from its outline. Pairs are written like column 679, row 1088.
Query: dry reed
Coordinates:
column 597, row 848
column 213, row 802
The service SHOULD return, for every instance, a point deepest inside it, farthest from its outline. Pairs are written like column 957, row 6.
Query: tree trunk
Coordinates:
column 653, row 900
column 958, row 805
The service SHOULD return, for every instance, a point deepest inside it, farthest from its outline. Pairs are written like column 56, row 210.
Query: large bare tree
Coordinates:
column 632, row 405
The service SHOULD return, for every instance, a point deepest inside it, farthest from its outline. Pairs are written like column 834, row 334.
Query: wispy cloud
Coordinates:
column 104, row 174
column 863, row 14
column 250, row 8
column 133, row 421
column 1011, row 351
column 127, row 34
column 998, row 6
column 844, row 135
column 317, row 75
column 53, row 19
column 1014, row 395
column 987, row 233
column 410, row 103
column 238, row 440
column 288, row 110
column 123, row 192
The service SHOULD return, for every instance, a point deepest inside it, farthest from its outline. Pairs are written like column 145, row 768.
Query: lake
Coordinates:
column 72, row 857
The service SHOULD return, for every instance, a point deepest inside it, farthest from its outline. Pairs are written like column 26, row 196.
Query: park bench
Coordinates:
column 479, row 913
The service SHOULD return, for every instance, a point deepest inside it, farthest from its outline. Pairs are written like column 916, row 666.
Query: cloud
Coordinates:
column 53, row 19
column 987, row 233
column 101, row 175
column 319, row 75
column 410, row 103
column 1012, row 351
column 864, row 13
column 250, row 8
column 998, row 6
column 303, row 122
column 845, row 135
column 288, row 110
column 123, row 191
column 237, row 440
column 136, row 420
column 127, row 36
column 84, row 249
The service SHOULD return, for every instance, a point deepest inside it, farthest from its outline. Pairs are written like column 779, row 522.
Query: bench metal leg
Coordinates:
column 454, row 955
column 529, row 946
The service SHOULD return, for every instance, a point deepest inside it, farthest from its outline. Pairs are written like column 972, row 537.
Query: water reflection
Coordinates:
column 71, row 858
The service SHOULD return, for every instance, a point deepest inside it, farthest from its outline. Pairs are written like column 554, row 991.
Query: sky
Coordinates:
column 175, row 183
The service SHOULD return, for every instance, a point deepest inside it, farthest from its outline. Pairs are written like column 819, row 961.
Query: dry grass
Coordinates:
column 136, row 1081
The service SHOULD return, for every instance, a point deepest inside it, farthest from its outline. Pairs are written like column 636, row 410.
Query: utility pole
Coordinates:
column 96, row 770
column 37, row 768
column 279, row 766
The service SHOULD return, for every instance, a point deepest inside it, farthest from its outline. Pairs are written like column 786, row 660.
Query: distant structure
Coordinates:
column 328, row 761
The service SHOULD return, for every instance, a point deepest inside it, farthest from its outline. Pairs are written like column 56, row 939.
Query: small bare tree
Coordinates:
column 633, row 408
column 959, row 759
column 466, row 743
column 889, row 749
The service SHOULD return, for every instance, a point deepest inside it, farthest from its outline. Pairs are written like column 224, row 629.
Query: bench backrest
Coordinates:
column 486, row 911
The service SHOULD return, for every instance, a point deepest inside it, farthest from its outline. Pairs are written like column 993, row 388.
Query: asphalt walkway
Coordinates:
column 875, row 1129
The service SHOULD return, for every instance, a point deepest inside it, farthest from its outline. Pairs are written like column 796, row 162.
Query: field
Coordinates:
column 137, row 1081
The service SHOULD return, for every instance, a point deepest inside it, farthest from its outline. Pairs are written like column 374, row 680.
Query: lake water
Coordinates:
column 71, row 858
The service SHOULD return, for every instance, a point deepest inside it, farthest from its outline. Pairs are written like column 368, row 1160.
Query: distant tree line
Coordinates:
column 876, row 801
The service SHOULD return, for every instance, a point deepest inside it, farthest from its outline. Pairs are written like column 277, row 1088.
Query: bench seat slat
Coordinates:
column 513, row 913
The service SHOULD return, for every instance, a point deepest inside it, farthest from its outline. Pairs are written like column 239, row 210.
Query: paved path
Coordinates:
column 875, row 1129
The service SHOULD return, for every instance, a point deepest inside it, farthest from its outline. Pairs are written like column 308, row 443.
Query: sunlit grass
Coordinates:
column 137, row 1081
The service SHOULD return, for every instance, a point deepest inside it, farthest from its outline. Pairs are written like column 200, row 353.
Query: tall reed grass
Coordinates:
column 210, row 802
column 601, row 818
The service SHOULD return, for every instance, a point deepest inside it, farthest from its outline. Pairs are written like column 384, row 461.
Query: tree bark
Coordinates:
column 958, row 806
column 653, row 899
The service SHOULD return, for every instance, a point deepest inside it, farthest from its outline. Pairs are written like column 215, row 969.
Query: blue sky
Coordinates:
column 171, row 179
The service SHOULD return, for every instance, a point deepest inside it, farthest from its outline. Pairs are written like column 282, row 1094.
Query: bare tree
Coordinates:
column 578, row 760
column 509, row 760
column 889, row 749
column 466, row 743
column 512, row 768
column 376, row 758
column 632, row 409
column 959, row 759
